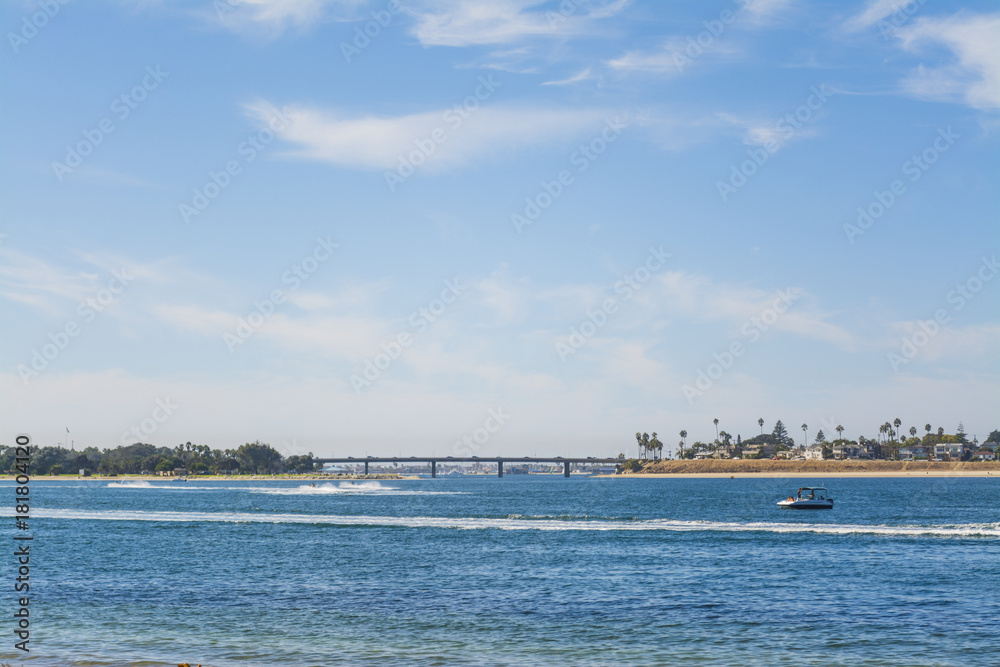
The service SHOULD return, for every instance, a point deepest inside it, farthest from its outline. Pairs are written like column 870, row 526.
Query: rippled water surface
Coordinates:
column 524, row 570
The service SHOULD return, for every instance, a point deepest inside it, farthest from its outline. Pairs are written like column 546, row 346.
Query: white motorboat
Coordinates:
column 808, row 498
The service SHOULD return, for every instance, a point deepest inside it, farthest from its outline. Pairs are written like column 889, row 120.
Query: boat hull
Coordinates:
column 806, row 505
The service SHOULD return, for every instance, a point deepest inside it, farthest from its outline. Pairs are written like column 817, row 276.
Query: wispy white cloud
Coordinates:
column 380, row 142
column 764, row 12
column 972, row 342
column 973, row 77
column 53, row 288
column 699, row 298
column 576, row 78
column 669, row 59
column 875, row 11
column 676, row 53
column 272, row 17
column 472, row 22
column 760, row 132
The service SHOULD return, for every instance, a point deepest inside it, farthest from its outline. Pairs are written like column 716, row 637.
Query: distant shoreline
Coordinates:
column 214, row 478
column 769, row 468
column 790, row 475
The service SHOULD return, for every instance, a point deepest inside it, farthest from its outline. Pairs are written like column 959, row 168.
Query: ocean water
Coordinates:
column 524, row 570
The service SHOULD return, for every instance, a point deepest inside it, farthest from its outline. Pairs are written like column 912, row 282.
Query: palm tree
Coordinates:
column 684, row 434
column 913, row 431
column 927, row 427
column 805, row 435
column 716, row 422
column 760, row 422
column 896, row 422
column 656, row 445
column 840, row 431
column 638, row 439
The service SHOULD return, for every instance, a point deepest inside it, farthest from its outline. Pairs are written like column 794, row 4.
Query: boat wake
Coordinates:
column 352, row 488
column 989, row 530
column 326, row 488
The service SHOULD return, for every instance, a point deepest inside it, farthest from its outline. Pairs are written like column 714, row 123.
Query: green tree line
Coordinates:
column 250, row 458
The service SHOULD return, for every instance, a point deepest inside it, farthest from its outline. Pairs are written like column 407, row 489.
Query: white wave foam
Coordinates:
column 991, row 530
column 326, row 488
column 138, row 484
column 355, row 488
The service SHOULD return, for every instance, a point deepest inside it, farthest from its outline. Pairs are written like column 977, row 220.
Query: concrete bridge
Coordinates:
column 499, row 460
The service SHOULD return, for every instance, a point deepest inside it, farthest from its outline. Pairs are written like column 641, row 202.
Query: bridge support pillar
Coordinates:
column 434, row 469
column 566, row 469
column 499, row 468
column 366, row 468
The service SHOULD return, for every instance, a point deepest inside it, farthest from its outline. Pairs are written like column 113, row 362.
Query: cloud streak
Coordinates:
column 373, row 142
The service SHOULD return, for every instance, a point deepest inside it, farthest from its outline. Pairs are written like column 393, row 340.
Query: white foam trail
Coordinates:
column 138, row 484
column 991, row 530
column 327, row 488
column 352, row 488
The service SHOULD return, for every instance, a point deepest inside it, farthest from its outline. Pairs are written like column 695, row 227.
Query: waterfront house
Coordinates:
column 849, row 450
column 953, row 450
column 814, row 453
column 913, row 452
column 985, row 455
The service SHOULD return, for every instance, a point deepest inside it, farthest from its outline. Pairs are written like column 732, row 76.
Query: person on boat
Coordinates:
column 812, row 495
column 790, row 499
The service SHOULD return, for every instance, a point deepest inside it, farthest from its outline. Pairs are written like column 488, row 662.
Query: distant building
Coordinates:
column 985, row 455
column 758, row 451
column 849, row 450
column 910, row 453
column 952, row 450
column 814, row 453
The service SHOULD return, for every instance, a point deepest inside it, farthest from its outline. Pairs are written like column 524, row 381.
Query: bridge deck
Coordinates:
column 498, row 460
column 462, row 459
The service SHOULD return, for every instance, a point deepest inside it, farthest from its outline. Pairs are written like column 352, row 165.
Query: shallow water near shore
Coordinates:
column 522, row 570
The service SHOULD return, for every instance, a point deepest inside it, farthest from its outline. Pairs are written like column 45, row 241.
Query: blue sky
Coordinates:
column 595, row 217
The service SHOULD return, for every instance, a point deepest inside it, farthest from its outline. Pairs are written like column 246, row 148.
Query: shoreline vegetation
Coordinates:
column 281, row 477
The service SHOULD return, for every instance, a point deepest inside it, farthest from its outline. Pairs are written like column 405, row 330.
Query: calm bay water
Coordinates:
column 524, row 570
